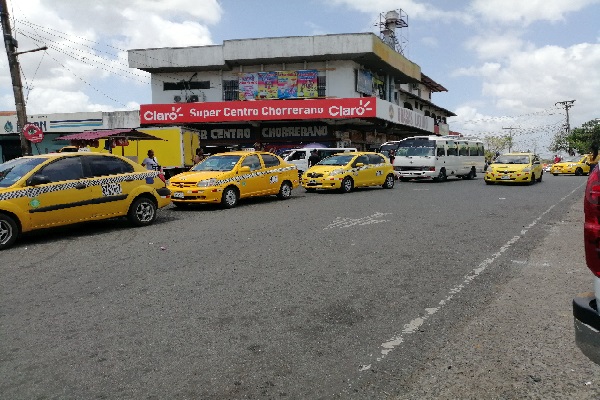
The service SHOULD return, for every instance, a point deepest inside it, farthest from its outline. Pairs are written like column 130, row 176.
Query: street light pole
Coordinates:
column 15, row 73
column 510, row 138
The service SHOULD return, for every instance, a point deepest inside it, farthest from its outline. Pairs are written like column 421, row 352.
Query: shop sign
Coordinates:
column 260, row 110
column 294, row 132
column 400, row 115
column 227, row 133
column 33, row 133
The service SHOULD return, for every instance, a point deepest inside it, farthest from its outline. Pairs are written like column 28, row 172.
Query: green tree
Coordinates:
column 494, row 144
column 582, row 139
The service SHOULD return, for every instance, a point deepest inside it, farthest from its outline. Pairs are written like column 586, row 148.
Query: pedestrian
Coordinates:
column 556, row 159
column 592, row 159
column 392, row 156
column 314, row 158
column 199, row 155
column 151, row 162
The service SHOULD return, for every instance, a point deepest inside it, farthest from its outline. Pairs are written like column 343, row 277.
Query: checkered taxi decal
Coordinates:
column 254, row 175
column 33, row 192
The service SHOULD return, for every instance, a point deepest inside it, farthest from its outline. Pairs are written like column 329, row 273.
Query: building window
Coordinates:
column 321, row 86
column 231, row 90
column 408, row 105
column 184, row 85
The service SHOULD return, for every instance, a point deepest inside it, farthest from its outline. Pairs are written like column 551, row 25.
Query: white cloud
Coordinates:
column 527, row 11
column 494, row 46
column 415, row 9
column 87, row 42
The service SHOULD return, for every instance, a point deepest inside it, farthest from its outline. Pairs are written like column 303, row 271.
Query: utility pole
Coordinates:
column 15, row 73
column 566, row 104
column 510, row 135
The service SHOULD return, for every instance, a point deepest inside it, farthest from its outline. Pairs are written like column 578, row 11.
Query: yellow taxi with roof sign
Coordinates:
column 346, row 171
column 58, row 189
column 225, row 178
column 571, row 165
column 514, row 168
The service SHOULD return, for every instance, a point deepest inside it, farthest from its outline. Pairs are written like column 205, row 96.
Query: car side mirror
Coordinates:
column 37, row 180
column 245, row 168
column 536, row 162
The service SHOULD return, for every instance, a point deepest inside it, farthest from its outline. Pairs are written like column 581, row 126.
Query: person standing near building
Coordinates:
column 199, row 155
column 592, row 159
column 151, row 162
column 314, row 158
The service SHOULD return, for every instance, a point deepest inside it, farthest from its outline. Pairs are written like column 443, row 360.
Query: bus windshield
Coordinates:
column 416, row 148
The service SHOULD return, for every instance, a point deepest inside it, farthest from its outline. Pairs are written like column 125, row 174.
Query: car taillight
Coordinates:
column 432, row 168
column 591, row 227
column 161, row 176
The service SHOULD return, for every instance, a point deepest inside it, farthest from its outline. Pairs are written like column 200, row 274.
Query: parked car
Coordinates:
column 299, row 157
column 514, row 168
column 65, row 188
column 224, row 178
column 346, row 171
column 585, row 306
column 571, row 165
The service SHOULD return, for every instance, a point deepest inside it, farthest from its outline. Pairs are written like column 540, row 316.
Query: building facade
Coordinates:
column 345, row 90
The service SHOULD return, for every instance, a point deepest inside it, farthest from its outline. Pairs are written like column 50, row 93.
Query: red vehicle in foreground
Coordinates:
column 585, row 306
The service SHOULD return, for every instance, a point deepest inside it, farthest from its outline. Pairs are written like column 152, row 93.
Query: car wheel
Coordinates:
column 285, row 191
column 532, row 179
column 489, row 182
column 540, row 178
column 230, row 197
column 347, row 185
column 389, row 182
column 471, row 174
column 441, row 176
column 142, row 211
column 578, row 172
column 8, row 231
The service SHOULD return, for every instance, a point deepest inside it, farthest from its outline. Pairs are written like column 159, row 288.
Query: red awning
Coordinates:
column 129, row 134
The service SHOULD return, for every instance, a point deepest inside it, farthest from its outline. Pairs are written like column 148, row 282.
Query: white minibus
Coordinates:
column 436, row 157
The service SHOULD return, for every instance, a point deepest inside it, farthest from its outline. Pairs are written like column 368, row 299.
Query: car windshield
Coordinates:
column 339, row 159
column 571, row 159
column 217, row 163
column 13, row 170
column 416, row 148
column 512, row 159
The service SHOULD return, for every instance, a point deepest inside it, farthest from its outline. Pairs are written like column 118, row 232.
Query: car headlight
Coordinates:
column 207, row 182
column 336, row 172
column 572, row 165
column 168, row 182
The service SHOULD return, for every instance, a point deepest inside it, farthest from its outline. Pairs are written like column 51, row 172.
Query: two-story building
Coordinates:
column 344, row 89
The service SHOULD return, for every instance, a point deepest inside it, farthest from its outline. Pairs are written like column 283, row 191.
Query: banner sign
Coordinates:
column 33, row 133
column 248, row 86
column 307, row 83
column 267, row 85
column 364, row 82
column 287, row 84
column 236, row 133
column 301, row 132
column 260, row 110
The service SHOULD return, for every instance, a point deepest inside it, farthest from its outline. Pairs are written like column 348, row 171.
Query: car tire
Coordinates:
column 532, row 182
column 142, row 211
column 9, row 231
column 441, row 176
column 540, row 178
column 489, row 183
column 230, row 197
column 578, row 172
column 470, row 175
column 285, row 191
column 389, row 182
column 347, row 185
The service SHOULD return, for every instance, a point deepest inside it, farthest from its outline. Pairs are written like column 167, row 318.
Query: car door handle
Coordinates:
column 80, row 186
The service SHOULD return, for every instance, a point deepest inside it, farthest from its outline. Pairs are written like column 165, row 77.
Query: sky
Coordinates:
column 505, row 63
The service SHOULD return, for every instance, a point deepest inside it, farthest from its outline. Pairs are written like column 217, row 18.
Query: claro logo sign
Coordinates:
column 258, row 110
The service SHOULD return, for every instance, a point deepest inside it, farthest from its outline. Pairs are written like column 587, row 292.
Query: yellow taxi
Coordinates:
column 65, row 188
column 346, row 171
column 514, row 168
column 227, row 177
column 571, row 165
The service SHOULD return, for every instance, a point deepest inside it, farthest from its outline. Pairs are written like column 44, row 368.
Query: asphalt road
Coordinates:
column 429, row 290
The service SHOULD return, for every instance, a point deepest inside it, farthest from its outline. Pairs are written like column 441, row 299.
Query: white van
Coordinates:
column 299, row 157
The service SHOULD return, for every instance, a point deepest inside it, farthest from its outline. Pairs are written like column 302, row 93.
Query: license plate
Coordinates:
column 505, row 177
column 312, row 182
column 178, row 195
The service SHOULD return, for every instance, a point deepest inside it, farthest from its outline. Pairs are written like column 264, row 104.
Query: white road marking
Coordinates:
column 414, row 325
column 340, row 222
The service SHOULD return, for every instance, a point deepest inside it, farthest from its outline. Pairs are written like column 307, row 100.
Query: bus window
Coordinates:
column 473, row 149
column 452, row 149
column 481, row 150
column 463, row 149
column 440, row 151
